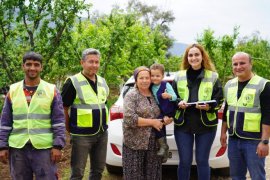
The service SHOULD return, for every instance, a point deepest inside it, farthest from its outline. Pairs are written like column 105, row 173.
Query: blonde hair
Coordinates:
column 206, row 61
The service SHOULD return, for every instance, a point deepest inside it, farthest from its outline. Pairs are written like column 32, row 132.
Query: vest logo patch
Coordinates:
column 103, row 95
column 40, row 93
column 248, row 99
column 206, row 91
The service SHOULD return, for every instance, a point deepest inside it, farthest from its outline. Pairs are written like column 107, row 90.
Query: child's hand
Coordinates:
column 166, row 95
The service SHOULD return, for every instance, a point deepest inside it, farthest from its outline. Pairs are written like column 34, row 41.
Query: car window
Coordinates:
column 127, row 88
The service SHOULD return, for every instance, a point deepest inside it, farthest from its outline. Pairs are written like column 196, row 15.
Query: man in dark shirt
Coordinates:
column 32, row 126
column 84, row 97
column 246, row 116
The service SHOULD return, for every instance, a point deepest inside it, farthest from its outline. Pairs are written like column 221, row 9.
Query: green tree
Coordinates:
column 38, row 25
column 124, row 41
column 259, row 49
column 221, row 50
column 153, row 17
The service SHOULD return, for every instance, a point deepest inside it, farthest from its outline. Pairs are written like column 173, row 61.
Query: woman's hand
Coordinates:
column 205, row 107
column 182, row 105
column 167, row 120
column 157, row 124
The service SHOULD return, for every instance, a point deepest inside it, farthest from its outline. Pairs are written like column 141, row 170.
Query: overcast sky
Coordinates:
column 194, row 16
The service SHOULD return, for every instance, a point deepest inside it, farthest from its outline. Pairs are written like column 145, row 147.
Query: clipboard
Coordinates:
column 202, row 102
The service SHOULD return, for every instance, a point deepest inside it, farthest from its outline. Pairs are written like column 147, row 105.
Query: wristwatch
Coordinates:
column 265, row 141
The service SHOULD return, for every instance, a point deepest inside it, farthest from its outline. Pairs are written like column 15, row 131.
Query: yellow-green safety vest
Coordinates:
column 32, row 122
column 89, row 113
column 244, row 114
column 204, row 94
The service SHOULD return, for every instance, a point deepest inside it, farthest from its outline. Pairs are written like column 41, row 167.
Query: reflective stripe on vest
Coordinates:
column 244, row 114
column 86, row 103
column 204, row 94
column 32, row 122
column 31, row 116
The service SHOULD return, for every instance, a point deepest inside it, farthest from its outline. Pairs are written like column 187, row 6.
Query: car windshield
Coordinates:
column 126, row 88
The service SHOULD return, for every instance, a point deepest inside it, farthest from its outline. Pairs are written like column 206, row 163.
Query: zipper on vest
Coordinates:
column 234, row 120
column 100, row 115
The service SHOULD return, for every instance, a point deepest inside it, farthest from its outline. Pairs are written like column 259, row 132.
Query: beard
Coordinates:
column 32, row 75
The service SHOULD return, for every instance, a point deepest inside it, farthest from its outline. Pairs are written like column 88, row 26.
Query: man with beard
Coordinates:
column 32, row 129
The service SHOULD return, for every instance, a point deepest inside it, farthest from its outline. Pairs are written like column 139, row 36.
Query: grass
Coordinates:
column 114, row 93
column 105, row 176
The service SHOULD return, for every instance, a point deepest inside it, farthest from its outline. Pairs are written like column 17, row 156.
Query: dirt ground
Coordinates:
column 63, row 168
column 62, row 165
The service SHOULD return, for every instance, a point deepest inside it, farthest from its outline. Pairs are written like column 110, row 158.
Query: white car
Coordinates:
column 218, row 155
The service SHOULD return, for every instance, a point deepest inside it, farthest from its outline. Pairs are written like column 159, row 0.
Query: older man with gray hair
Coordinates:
column 246, row 116
column 84, row 99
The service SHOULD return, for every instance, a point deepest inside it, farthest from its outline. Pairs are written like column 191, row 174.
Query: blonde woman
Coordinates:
column 196, row 81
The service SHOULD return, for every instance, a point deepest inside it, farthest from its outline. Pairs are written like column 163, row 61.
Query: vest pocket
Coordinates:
column 84, row 118
column 179, row 117
column 252, row 122
column 211, row 116
column 209, row 119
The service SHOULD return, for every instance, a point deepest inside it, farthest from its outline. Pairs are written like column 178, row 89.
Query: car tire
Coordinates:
column 114, row 169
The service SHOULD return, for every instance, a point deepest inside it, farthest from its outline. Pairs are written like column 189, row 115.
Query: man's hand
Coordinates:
column 56, row 155
column 4, row 156
column 223, row 139
column 262, row 150
column 223, row 134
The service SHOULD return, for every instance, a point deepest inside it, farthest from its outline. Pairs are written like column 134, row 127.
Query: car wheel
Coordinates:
column 114, row 169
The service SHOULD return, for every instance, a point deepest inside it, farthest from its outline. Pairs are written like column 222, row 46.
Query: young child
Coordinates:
column 165, row 97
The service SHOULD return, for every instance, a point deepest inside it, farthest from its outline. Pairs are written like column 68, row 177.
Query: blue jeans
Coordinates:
column 203, row 143
column 82, row 146
column 27, row 161
column 242, row 156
